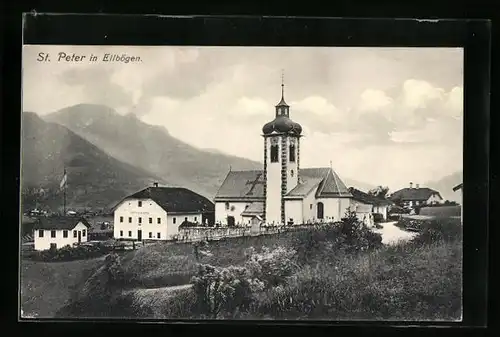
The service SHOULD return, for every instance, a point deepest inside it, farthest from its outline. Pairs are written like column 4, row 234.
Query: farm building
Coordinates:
column 283, row 192
column 156, row 212
column 416, row 196
column 375, row 205
column 55, row 232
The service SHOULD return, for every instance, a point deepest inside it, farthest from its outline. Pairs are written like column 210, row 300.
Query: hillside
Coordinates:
column 153, row 149
column 445, row 186
column 94, row 178
column 150, row 147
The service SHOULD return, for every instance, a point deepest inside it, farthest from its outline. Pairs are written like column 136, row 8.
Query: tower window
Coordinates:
column 292, row 153
column 274, row 153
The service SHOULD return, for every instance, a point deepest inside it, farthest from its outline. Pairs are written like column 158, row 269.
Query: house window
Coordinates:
column 65, row 234
column 53, row 246
column 129, row 234
column 139, row 203
column 186, row 219
column 174, row 220
column 121, row 233
column 310, row 206
column 150, row 235
column 75, row 234
column 140, row 220
column 40, row 233
column 274, row 153
column 227, row 206
column 129, row 219
column 292, row 153
column 52, row 234
column 159, row 220
column 195, row 219
column 150, row 220
column 83, row 232
column 158, row 235
column 121, row 219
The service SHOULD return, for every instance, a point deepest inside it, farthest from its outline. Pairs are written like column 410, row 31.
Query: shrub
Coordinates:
column 439, row 230
column 378, row 217
column 272, row 267
column 69, row 253
column 223, row 290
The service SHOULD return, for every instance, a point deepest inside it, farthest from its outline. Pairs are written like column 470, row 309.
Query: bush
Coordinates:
column 69, row 253
column 439, row 230
column 378, row 217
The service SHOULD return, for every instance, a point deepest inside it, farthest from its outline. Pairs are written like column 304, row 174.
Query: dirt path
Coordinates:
column 163, row 290
column 392, row 234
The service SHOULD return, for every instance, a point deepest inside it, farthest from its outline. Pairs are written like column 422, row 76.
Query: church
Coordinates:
column 282, row 193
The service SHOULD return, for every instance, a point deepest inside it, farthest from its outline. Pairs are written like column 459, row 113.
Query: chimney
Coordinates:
column 417, row 185
column 155, row 184
column 411, row 185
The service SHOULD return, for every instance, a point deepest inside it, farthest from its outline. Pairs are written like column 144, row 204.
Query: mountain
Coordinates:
column 445, row 186
column 153, row 149
column 94, row 178
column 149, row 147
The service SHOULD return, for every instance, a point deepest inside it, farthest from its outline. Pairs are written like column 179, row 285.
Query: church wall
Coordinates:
column 334, row 208
column 235, row 210
column 291, row 173
column 309, row 208
column 293, row 210
column 273, row 188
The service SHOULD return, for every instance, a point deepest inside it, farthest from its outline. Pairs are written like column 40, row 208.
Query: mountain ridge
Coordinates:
column 95, row 179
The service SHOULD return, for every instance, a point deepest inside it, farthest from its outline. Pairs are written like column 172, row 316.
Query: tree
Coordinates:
column 379, row 191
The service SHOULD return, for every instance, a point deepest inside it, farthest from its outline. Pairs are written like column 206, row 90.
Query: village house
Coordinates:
column 459, row 187
column 55, row 232
column 364, row 204
column 155, row 213
column 416, row 196
column 283, row 192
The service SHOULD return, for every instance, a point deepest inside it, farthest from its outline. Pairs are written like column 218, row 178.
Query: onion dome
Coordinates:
column 282, row 122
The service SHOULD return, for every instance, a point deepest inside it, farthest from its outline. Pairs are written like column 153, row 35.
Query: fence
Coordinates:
column 212, row 234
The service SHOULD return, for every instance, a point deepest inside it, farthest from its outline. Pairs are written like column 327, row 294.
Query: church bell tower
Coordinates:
column 281, row 160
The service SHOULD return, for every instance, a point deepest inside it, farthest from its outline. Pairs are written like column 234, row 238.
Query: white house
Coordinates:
column 155, row 213
column 58, row 231
column 416, row 196
column 283, row 192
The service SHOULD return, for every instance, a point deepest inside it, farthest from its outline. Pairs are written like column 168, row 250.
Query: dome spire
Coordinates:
column 282, row 84
column 282, row 102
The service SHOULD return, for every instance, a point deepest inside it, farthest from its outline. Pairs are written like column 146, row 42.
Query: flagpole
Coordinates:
column 64, row 193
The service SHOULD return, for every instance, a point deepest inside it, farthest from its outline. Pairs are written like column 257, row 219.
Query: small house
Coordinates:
column 55, row 232
column 365, row 204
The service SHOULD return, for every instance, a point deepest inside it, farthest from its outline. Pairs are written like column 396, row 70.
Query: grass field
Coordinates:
column 162, row 264
column 46, row 286
column 441, row 211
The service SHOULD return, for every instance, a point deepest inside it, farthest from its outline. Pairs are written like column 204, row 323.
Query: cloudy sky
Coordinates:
column 381, row 115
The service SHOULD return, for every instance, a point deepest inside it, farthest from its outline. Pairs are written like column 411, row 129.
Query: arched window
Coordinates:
column 292, row 153
column 274, row 153
column 321, row 210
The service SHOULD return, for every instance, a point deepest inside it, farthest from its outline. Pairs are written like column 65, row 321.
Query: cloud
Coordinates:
column 401, row 108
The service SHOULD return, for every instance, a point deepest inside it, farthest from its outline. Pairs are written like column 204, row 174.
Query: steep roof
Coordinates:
column 418, row 194
column 367, row 198
column 59, row 223
column 174, row 199
column 249, row 185
column 458, row 187
column 255, row 208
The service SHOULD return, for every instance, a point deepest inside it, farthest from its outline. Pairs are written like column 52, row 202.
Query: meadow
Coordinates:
column 328, row 272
